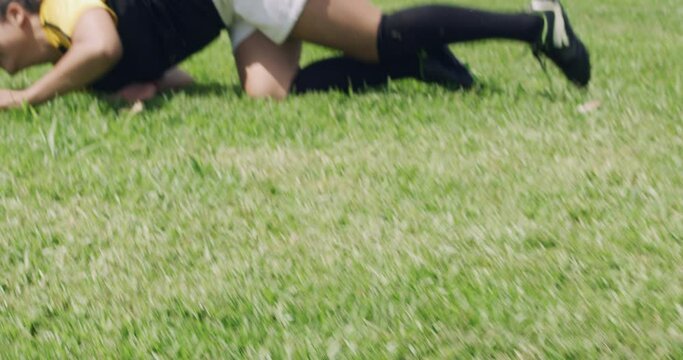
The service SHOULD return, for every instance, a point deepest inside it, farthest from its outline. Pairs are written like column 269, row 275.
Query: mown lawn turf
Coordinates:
column 406, row 222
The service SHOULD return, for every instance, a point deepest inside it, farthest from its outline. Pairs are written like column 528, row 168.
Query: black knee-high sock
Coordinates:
column 409, row 30
column 344, row 73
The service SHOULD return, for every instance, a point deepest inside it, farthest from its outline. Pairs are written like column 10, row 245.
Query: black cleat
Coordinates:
column 559, row 43
column 440, row 66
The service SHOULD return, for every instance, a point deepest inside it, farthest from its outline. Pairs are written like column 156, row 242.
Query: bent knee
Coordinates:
column 265, row 89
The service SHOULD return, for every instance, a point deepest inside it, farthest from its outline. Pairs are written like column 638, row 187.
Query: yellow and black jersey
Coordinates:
column 155, row 34
column 59, row 18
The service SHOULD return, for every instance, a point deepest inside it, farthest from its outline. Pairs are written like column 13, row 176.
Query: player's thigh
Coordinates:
column 266, row 69
column 347, row 25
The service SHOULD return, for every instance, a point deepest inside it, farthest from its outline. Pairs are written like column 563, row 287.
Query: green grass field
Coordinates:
column 406, row 222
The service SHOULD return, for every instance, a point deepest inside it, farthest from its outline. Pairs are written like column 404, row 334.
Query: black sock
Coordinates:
column 344, row 73
column 409, row 30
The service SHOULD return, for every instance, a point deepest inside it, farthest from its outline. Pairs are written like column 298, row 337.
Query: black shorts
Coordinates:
column 156, row 35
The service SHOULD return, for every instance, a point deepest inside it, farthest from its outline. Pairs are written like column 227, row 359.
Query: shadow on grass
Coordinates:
column 555, row 91
column 196, row 90
column 219, row 89
column 481, row 88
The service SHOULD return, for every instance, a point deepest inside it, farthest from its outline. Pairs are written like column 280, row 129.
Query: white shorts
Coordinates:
column 274, row 18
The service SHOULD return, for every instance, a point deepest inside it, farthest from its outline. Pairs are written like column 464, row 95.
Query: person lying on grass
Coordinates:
column 131, row 47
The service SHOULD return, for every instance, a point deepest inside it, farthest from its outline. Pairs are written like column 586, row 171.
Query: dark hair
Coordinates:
column 30, row 5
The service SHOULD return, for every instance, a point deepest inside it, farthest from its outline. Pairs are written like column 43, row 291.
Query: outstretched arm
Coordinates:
column 95, row 48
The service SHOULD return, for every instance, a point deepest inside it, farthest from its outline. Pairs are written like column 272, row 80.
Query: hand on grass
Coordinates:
column 12, row 98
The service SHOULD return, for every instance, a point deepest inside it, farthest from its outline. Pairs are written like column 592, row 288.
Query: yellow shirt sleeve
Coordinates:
column 59, row 18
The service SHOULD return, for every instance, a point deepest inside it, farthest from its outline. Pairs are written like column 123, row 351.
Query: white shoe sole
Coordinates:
column 560, row 36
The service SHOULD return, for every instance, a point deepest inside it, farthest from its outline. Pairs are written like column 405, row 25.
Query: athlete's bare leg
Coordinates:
column 266, row 69
column 347, row 25
column 173, row 79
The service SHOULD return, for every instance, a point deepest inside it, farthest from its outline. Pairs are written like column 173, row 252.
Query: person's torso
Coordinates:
column 155, row 34
column 158, row 34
